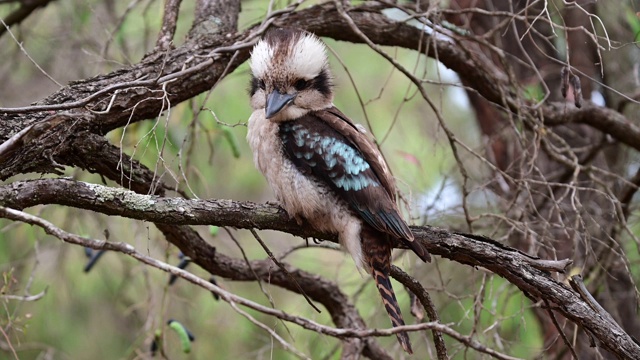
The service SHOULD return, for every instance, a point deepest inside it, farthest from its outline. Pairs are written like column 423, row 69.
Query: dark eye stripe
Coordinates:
column 322, row 83
column 301, row 84
column 255, row 85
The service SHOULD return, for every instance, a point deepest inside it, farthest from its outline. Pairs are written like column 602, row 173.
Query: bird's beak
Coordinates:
column 276, row 102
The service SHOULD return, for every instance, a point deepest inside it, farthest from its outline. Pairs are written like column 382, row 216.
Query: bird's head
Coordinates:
column 290, row 75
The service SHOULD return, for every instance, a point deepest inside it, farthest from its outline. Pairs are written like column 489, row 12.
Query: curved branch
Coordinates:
column 180, row 74
column 423, row 296
column 348, row 332
column 516, row 267
column 604, row 119
column 26, row 9
column 232, row 299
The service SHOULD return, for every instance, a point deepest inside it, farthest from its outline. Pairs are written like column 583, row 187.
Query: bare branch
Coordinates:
column 234, row 299
column 169, row 24
column 215, row 16
column 26, row 8
column 35, row 297
column 606, row 120
column 9, row 345
column 560, row 331
column 473, row 250
column 283, row 268
column 24, row 51
column 421, row 293
column 193, row 68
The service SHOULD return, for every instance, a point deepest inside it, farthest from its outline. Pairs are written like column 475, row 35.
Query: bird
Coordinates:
column 322, row 167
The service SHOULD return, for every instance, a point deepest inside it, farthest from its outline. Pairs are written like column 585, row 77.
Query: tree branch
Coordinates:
column 169, row 24
column 516, row 267
column 231, row 298
column 25, row 9
column 421, row 293
column 215, row 16
column 141, row 92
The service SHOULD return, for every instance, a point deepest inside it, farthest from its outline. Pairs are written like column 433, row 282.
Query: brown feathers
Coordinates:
column 383, row 208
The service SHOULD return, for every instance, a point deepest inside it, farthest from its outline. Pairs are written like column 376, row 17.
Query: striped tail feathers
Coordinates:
column 377, row 253
column 392, row 307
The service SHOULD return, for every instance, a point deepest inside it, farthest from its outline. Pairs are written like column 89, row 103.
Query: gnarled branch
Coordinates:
column 515, row 266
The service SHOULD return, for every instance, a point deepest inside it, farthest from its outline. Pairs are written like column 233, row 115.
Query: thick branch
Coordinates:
column 604, row 119
column 164, row 79
column 515, row 266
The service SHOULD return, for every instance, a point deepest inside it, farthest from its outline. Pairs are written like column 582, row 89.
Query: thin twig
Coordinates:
column 282, row 342
column 260, row 285
column 560, row 330
column 35, row 297
column 577, row 285
column 23, row 12
column 82, row 102
column 283, row 268
column 24, row 51
column 13, row 351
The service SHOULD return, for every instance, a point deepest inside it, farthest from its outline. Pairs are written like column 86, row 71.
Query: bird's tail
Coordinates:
column 377, row 251
column 418, row 249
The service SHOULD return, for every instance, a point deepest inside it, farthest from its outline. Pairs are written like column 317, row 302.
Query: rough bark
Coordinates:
column 530, row 274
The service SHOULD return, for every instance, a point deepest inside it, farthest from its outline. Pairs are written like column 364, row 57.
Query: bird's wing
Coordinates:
column 325, row 144
column 342, row 124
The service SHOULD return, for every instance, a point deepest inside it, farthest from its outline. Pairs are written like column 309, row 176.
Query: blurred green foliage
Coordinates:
column 115, row 310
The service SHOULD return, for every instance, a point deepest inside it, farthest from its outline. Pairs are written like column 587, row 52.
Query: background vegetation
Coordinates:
column 197, row 147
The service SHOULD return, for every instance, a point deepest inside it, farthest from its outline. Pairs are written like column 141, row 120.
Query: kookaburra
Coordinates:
column 321, row 166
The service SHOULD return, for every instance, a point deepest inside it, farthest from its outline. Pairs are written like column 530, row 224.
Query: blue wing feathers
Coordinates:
column 318, row 150
column 325, row 152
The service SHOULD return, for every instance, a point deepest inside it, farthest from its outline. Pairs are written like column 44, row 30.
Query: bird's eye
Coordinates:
column 261, row 84
column 301, row 84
